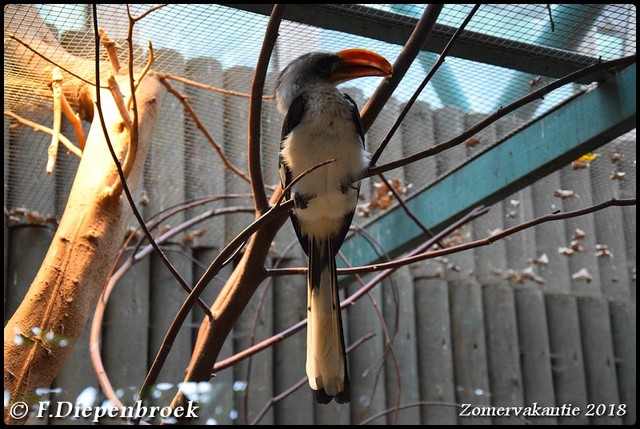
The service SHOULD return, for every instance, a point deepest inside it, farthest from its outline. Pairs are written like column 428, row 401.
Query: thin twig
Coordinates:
column 416, row 257
column 47, row 59
column 409, row 52
column 120, row 104
column 112, row 51
column 150, row 60
column 75, row 121
column 232, row 360
column 196, row 120
column 300, row 177
column 37, row 127
column 404, row 206
column 135, row 19
column 56, row 88
column 553, row 24
column 418, row 91
column 423, row 404
column 209, row 87
column 205, row 279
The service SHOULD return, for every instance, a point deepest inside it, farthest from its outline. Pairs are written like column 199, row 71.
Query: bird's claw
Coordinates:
column 300, row 201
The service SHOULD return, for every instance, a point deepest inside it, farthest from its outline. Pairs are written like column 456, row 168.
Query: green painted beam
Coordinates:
column 581, row 125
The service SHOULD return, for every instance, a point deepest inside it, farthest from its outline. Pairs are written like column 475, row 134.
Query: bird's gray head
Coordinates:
column 327, row 68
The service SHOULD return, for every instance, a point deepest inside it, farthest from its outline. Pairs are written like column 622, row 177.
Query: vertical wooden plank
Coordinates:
column 551, row 236
column 448, row 123
column 378, row 132
column 579, row 182
column 165, row 164
column 503, row 349
column 521, row 247
column 125, row 335
column 417, row 134
column 165, row 187
column 29, row 189
column 627, row 164
column 166, row 297
column 395, row 291
column 465, row 297
column 253, row 379
column 599, row 361
column 399, row 314
column 518, row 208
column 28, row 245
column 271, row 131
column 290, row 306
column 204, row 169
column 77, row 382
column 609, row 230
column 29, row 185
column 236, row 113
column 216, row 405
column 469, row 347
column 490, row 261
column 535, row 354
column 567, row 362
column 623, row 326
column 366, row 370
column 434, row 343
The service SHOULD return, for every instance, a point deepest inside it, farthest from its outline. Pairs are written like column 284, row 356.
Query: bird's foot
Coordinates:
column 301, row 201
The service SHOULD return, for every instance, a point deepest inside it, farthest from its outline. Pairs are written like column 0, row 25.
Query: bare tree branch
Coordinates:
column 255, row 109
column 37, row 127
column 415, row 257
column 540, row 93
column 409, row 52
column 196, row 120
column 209, row 87
column 122, row 176
column 347, row 302
column 418, row 91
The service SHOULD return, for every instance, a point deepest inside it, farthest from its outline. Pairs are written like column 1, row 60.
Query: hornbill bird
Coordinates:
column 322, row 124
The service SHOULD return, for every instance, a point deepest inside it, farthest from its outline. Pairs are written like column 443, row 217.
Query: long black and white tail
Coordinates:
column 326, row 358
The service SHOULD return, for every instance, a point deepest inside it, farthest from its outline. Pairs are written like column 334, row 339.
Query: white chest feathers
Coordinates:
column 327, row 132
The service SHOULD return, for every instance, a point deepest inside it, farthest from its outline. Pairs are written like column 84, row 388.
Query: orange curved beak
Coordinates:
column 355, row 63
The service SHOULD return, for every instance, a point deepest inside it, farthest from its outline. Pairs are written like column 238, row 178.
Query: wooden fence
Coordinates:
column 495, row 326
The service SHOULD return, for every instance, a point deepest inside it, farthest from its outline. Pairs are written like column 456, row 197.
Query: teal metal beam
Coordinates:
column 581, row 125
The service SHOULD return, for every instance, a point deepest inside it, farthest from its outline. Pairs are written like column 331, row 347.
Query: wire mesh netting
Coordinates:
column 219, row 45
column 446, row 304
